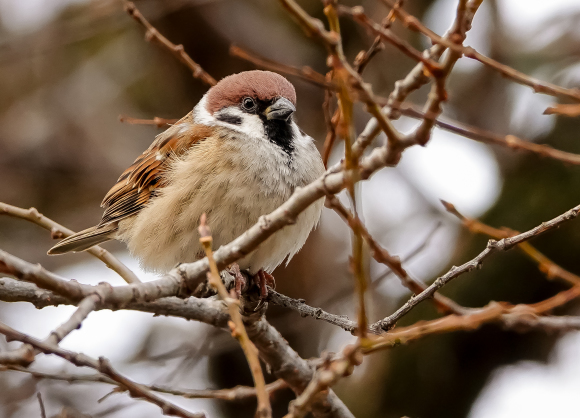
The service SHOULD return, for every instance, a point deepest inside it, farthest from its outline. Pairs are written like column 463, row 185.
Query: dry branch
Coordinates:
column 103, row 366
column 236, row 324
column 492, row 247
column 25, row 354
column 547, row 266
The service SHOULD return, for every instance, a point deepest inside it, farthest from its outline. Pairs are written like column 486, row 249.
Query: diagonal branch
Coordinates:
column 547, row 266
column 58, row 231
column 103, row 366
column 25, row 354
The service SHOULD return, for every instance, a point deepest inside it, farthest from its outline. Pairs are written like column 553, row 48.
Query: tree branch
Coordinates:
column 492, row 247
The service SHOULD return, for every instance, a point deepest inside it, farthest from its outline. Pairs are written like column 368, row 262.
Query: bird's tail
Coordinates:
column 84, row 240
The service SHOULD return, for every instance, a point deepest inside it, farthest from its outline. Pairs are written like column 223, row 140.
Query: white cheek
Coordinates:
column 200, row 113
column 251, row 125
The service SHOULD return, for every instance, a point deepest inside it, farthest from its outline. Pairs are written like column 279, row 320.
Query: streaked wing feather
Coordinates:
column 136, row 186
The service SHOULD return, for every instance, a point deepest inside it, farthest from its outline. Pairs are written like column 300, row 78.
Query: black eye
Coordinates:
column 248, row 103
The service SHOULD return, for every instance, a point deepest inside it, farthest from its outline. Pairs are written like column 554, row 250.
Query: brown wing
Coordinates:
column 137, row 184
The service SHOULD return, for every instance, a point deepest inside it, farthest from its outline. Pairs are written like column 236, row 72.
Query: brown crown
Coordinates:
column 260, row 85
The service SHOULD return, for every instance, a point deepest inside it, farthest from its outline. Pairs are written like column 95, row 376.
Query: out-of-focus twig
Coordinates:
column 570, row 110
column 152, row 33
column 156, row 121
column 58, row 231
column 492, row 247
column 306, row 73
column 237, row 324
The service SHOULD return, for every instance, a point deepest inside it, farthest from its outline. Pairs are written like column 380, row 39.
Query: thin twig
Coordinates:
column 382, row 256
column 156, row 121
column 237, row 324
column 492, row 247
column 58, row 231
column 487, row 137
column 300, row 306
column 306, row 73
column 537, row 85
column 41, row 405
column 519, row 317
column 546, row 266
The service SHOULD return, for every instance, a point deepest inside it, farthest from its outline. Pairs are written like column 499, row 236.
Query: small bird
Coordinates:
column 238, row 155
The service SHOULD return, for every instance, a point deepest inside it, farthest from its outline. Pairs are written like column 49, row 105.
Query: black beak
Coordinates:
column 282, row 109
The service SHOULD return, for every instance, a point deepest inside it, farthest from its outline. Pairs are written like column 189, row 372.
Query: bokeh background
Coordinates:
column 69, row 68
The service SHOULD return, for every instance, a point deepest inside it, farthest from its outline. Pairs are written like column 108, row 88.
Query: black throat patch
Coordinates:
column 280, row 132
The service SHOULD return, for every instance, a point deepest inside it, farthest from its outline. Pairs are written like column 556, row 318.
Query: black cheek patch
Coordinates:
column 233, row 119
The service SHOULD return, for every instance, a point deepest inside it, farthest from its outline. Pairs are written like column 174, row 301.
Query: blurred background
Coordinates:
column 69, row 68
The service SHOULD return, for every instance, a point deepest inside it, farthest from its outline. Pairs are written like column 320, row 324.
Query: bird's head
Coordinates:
column 257, row 103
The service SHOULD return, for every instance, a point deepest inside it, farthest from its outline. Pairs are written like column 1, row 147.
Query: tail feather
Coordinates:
column 84, row 240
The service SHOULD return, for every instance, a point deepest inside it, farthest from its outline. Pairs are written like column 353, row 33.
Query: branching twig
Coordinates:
column 25, row 354
column 329, row 373
column 547, row 266
column 539, row 86
column 58, row 231
column 492, row 247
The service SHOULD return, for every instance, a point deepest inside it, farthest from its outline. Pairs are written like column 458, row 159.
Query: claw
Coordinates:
column 239, row 279
column 262, row 280
column 260, row 305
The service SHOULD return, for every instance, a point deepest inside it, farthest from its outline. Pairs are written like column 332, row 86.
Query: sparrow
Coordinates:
column 237, row 156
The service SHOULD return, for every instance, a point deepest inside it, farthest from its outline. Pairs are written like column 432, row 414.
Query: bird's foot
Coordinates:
column 262, row 280
column 239, row 279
